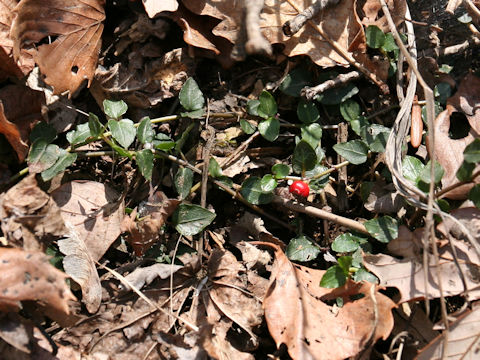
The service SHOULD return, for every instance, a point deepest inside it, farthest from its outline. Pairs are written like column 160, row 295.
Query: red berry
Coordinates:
column 299, row 188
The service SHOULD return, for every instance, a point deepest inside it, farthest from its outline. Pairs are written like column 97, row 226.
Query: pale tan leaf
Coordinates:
column 463, row 339
column 145, row 275
column 313, row 329
column 95, row 210
column 154, row 7
column 72, row 57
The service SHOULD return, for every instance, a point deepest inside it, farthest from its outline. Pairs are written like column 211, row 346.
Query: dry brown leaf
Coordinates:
column 407, row 244
column 79, row 265
column 145, row 275
column 154, row 7
column 310, row 327
column 28, row 275
column 384, row 199
column 8, row 66
column 20, row 110
column 374, row 14
column 94, row 209
column 30, row 218
column 72, row 57
column 463, row 339
column 16, row 331
column 408, row 275
column 144, row 233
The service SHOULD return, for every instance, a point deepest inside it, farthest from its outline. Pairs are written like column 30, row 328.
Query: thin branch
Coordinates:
column 291, row 27
column 256, row 43
column 311, row 92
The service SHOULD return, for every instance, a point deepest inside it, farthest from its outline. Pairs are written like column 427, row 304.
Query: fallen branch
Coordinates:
column 310, row 92
column 291, row 27
column 256, row 43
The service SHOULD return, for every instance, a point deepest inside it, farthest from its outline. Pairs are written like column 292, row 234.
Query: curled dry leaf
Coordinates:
column 72, row 57
column 95, row 210
column 27, row 213
column 20, row 110
column 311, row 328
column 28, row 275
column 463, row 339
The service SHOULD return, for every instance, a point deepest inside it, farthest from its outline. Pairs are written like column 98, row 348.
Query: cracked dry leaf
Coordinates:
column 77, row 25
column 28, row 275
column 311, row 328
column 94, row 209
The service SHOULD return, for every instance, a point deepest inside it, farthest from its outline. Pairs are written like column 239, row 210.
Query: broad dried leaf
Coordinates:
column 95, row 211
column 8, row 66
column 154, row 7
column 311, row 328
column 408, row 275
column 20, row 110
column 72, row 57
column 144, row 233
column 463, row 339
column 79, row 265
column 28, row 213
column 28, row 275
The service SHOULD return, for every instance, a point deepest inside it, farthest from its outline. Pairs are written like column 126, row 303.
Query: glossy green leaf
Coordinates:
column 334, row 277
column 375, row 136
column 191, row 219
column 302, row 248
column 465, row 171
column 425, row 173
column 42, row 155
column 252, row 191
column 252, row 107
column 114, row 109
column 123, row 131
column 144, row 160
column 364, row 275
column 183, row 182
column 79, row 135
column 442, row 92
column 383, row 228
column 214, row 168
column 307, row 112
column 411, row 168
column 471, row 154
column 190, row 96
column 163, row 142
column 247, row 127
column 268, row 183
column 345, row 243
column 94, row 125
column 312, row 134
column 375, row 37
column 268, row 106
column 389, row 43
column 345, row 262
column 145, row 132
column 269, row 128
column 350, row 110
column 295, row 81
column 280, row 170
column 354, row 151
column 64, row 160
column 304, row 157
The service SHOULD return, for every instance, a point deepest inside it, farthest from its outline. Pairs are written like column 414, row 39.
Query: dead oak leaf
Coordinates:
column 72, row 57
column 313, row 329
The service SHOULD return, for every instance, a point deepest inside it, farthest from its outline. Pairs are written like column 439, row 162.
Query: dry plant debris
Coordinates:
column 147, row 149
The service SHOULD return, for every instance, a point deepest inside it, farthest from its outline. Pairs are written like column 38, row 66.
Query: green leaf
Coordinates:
column 304, row 157
column 425, row 173
column 190, row 96
column 183, row 182
column 144, row 160
column 317, row 184
column 94, row 125
column 252, row 107
column 345, row 262
column 465, row 171
column 42, row 155
column 354, row 151
column 411, row 168
column 195, row 114
column 43, row 131
column 337, row 95
column 295, row 81
column 214, row 168
column 375, row 37
column 445, row 68
column 191, row 219
column 145, row 132
column 334, row 277
column 302, row 248
column 268, row 106
column 312, row 134
column 247, row 127
column 114, row 109
column 375, row 136
column 384, row 228
column 359, row 124
column 79, row 135
column 389, row 43
column 442, row 92
column 269, row 128
column 471, row 154
column 364, row 275
column 163, row 142
column 307, row 112
column 123, row 131
column 121, row 151
column 280, row 170
column 350, row 110
column 474, row 195
column 252, row 192
column 345, row 243
column 268, row 183
column 64, row 160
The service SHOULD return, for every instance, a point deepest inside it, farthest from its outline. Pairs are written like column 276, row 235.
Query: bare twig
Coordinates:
column 256, row 43
column 311, row 92
column 291, row 27
column 471, row 6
